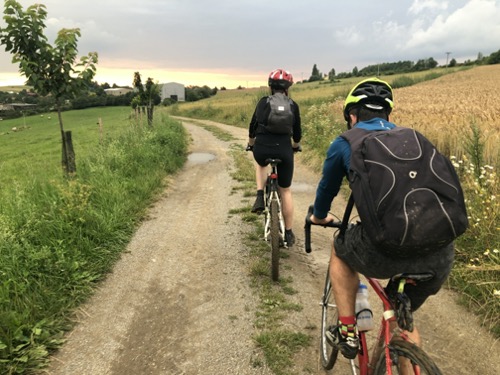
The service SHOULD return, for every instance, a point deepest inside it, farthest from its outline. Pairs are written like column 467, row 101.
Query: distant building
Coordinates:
column 118, row 91
column 173, row 90
column 16, row 106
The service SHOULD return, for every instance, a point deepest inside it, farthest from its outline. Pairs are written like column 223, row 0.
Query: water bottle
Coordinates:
column 364, row 315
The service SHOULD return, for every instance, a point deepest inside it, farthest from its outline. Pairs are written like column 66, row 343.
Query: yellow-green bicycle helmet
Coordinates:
column 373, row 93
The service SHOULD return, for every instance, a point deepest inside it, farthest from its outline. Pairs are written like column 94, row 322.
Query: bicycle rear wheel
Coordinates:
column 275, row 241
column 329, row 317
column 404, row 353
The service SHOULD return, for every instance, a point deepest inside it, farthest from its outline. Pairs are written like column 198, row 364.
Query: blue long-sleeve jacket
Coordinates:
column 336, row 167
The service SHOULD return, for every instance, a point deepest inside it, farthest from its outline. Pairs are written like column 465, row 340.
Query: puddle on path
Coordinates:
column 200, row 157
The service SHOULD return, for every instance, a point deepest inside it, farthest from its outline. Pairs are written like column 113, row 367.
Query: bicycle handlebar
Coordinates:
column 307, row 228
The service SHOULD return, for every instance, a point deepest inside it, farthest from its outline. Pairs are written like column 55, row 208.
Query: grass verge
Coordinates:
column 58, row 237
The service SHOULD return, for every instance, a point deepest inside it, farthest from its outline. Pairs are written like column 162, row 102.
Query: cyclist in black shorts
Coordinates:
column 367, row 106
column 266, row 144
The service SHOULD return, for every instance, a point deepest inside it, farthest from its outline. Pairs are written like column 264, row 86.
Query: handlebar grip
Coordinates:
column 307, row 230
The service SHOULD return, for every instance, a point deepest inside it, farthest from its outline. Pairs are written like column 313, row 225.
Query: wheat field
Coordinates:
column 445, row 108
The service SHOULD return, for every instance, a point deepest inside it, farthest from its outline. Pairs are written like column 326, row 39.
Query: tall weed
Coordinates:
column 477, row 268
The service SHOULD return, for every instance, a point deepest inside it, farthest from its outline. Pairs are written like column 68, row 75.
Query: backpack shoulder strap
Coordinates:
column 355, row 136
column 345, row 218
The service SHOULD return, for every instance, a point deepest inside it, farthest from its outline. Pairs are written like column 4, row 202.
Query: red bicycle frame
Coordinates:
column 388, row 319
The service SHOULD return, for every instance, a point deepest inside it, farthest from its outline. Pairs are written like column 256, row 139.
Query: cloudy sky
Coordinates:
column 238, row 42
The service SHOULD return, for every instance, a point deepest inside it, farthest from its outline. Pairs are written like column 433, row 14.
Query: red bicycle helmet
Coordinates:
column 280, row 79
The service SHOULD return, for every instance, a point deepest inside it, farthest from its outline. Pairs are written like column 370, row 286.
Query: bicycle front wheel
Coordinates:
column 329, row 317
column 275, row 241
column 407, row 358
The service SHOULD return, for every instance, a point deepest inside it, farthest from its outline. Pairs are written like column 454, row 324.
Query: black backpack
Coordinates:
column 281, row 117
column 407, row 194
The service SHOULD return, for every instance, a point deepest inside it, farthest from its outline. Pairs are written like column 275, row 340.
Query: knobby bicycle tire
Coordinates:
column 404, row 349
column 329, row 317
column 275, row 240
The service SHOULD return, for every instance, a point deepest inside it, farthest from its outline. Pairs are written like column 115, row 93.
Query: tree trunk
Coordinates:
column 64, row 159
column 150, row 115
column 70, row 154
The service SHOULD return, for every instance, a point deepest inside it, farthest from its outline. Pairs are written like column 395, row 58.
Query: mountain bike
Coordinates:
column 274, row 223
column 393, row 351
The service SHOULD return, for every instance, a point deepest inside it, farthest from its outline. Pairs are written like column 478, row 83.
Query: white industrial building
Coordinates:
column 173, row 90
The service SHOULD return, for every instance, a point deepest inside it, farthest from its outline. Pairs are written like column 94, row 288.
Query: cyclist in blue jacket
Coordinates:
column 367, row 106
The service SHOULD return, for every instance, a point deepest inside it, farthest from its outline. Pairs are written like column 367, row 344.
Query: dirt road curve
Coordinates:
column 179, row 300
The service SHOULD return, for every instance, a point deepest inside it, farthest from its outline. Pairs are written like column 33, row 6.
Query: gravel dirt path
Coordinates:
column 179, row 301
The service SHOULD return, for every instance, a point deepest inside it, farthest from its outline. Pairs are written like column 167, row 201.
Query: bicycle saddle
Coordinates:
column 417, row 277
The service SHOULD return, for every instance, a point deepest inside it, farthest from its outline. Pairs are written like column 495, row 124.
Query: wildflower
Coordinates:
column 487, row 252
column 496, row 293
column 495, row 251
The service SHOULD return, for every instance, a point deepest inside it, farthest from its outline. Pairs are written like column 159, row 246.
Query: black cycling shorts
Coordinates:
column 277, row 147
column 358, row 252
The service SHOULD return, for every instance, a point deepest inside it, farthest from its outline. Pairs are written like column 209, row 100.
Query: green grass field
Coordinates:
column 33, row 144
column 60, row 235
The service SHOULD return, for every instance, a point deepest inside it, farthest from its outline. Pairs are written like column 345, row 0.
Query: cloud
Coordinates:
column 349, row 36
column 467, row 30
column 420, row 6
column 256, row 36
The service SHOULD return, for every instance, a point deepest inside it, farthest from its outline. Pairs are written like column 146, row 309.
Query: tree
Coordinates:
column 355, row 71
column 50, row 70
column 331, row 75
column 195, row 93
column 494, row 58
column 315, row 75
column 431, row 63
column 452, row 63
column 148, row 95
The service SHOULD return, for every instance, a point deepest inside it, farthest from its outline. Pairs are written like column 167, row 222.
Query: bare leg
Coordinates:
column 414, row 336
column 287, row 202
column 405, row 366
column 260, row 176
column 345, row 283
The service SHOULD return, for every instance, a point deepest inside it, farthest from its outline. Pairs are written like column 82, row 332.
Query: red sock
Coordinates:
column 347, row 320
